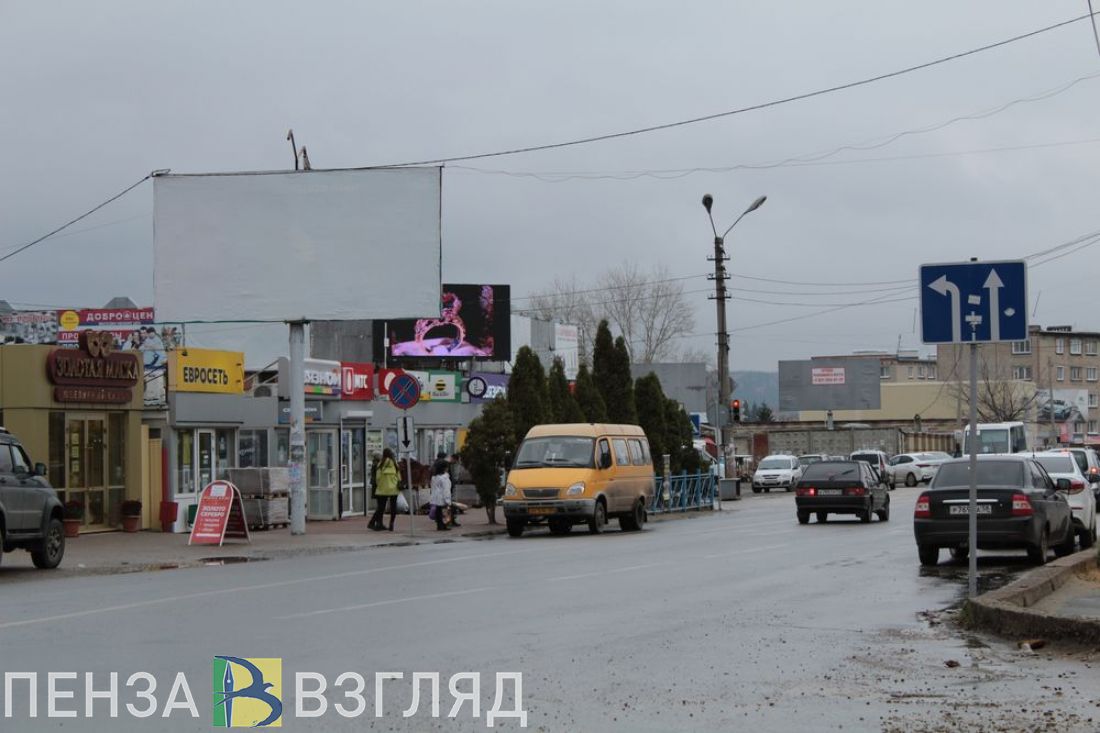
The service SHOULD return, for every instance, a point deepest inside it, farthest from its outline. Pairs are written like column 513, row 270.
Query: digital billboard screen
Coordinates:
column 474, row 322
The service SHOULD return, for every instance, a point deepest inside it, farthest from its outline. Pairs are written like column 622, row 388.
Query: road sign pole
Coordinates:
column 409, row 485
column 973, row 513
column 297, row 459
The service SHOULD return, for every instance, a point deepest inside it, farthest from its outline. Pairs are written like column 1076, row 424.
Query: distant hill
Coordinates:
column 757, row 387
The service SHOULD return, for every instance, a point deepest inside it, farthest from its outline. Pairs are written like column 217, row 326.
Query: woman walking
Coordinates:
column 385, row 490
column 441, row 493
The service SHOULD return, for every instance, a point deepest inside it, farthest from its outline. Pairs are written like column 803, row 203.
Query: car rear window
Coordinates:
column 1082, row 460
column 1056, row 464
column 869, row 457
column 990, row 473
column 831, row 470
column 775, row 463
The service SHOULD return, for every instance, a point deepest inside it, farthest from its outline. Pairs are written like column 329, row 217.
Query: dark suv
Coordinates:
column 30, row 512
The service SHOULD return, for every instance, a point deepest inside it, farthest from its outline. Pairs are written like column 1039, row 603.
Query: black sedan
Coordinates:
column 841, row 487
column 1019, row 507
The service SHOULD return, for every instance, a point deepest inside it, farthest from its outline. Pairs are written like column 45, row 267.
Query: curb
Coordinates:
column 1006, row 610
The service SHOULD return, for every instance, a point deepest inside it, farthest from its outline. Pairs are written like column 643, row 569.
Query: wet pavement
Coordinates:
column 743, row 620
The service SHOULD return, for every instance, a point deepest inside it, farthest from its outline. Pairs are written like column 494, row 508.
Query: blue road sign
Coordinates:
column 973, row 302
column 404, row 391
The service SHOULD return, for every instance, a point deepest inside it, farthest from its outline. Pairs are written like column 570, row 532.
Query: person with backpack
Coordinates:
column 386, row 477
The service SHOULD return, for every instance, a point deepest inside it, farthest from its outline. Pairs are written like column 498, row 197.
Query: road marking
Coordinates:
column 376, row 604
column 735, row 553
column 243, row 588
column 606, row 572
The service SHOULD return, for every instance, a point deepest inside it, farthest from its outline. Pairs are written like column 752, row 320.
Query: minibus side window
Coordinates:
column 622, row 455
column 636, row 456
column 605, row 450
column 647, row 459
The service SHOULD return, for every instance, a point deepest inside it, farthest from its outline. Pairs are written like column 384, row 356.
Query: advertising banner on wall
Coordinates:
column 29, row 327
column 357, row 381
column 443, row 386
column 322, row 378
column 496, row 385
column 206, row 370
column 474, row 321
column 567, row 348
column 1067, row 409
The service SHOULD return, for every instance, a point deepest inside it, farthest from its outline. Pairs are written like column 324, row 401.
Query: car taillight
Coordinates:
column 856, row 491
column 1021, row 506
column 923, row 509
column 924, row 465
column 1076, row 487
column 805, row 491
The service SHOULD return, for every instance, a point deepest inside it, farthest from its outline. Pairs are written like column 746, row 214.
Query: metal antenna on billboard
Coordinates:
column 293, row 147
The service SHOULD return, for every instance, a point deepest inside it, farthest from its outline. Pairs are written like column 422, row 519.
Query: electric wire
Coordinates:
column 68, row 224
column 749, row 108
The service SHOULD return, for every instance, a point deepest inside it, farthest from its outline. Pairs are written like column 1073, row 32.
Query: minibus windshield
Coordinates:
column 562, row 451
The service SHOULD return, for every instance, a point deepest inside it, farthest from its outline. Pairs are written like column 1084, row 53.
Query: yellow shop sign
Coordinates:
column 206, row 370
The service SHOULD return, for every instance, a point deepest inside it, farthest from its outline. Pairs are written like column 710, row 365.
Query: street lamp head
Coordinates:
column 756, row 204
column 708, row 201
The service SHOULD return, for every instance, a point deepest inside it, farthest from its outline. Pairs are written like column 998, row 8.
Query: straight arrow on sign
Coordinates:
column 994, row 284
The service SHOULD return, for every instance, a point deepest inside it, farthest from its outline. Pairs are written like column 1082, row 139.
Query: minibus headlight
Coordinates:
column 509, row 490
column 575, row 489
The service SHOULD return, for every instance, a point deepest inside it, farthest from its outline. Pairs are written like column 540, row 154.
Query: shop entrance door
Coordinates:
column 352, row 471
column 86, row 466
column 323, row 474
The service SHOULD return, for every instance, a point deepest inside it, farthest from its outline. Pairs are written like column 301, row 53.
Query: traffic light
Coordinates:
column 735, row 406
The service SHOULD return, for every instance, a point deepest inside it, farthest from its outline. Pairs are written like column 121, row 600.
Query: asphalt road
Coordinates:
column 742, row 620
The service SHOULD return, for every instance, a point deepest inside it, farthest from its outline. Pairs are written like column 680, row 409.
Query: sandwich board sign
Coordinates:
column 220, row 515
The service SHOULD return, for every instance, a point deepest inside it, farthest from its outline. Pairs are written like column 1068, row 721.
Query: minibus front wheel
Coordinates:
column 599, row 518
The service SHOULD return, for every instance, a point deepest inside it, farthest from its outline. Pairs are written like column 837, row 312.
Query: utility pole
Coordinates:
column 720, row 276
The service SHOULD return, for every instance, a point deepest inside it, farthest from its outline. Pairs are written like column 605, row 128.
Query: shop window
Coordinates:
column 185, row 462
column 282, row 447
column 56, row 456
column 116, row 465
column 224, row 452
column 252, row 448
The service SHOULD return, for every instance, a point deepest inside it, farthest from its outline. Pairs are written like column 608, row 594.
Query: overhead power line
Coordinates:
column 749, row 108
column 69, row 223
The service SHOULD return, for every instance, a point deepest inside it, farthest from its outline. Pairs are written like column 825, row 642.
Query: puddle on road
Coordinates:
column 232, row 560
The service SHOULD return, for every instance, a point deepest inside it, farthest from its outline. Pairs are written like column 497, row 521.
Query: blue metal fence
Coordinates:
column 686, row 491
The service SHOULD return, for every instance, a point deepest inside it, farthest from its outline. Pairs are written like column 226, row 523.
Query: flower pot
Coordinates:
column 131, row 523
column 72, row 527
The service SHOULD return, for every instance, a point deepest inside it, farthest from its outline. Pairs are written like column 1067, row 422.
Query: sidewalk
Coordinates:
column 1059, row 600
column 120, row 552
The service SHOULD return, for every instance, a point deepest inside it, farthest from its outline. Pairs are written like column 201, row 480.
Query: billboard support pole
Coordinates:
column 297, row 459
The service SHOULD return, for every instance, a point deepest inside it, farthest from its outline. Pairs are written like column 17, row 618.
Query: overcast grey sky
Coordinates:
column 98, row 94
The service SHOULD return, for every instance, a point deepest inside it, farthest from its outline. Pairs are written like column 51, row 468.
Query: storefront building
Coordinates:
column 79, row 411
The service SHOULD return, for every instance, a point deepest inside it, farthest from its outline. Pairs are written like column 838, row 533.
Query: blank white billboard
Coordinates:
column 314, row 245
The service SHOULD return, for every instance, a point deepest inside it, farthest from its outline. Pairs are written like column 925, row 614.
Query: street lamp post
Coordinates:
column 720, row 278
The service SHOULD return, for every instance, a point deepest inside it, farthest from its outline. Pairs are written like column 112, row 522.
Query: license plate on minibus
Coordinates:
column 541, row 510
column 965, row 509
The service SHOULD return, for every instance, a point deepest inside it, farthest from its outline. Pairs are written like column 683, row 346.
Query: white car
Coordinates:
column 1082, row 502
column 913, row 468
column 776, row 472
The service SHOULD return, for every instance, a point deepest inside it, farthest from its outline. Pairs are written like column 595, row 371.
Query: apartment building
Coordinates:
column 1064, row 366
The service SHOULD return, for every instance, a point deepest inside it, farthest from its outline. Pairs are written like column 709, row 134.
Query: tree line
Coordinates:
column 606, row 393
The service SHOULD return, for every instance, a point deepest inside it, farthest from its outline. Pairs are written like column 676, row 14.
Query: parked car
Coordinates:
column 776, row 472
column 30, row 512
column 914, row 468
column 579, row 473
column 1088, row 460
column 1019, row 507
column 1082, row 502
column 841, row 487
column 877, row 460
